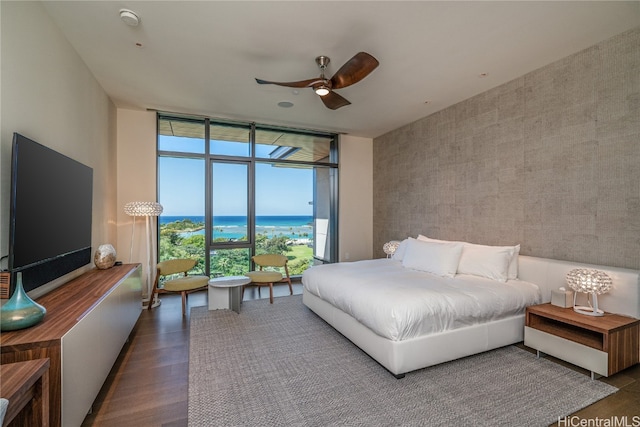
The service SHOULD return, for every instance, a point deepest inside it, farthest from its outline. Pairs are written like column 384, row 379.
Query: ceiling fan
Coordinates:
column 354, row 70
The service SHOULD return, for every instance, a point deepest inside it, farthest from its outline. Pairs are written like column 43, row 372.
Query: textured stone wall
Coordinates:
column 550, row 160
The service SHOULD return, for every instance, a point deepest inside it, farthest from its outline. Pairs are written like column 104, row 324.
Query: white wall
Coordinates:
column 136, row 181
column 356, row 198
column 49, row 95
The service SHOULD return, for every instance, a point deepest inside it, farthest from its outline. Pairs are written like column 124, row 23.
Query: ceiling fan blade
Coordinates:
column 354, row 70
column 302, row 83
column 334, row 101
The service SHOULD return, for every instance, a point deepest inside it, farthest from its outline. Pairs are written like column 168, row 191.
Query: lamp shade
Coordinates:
column 594, row 282
column 143, row 209
column 589, row 281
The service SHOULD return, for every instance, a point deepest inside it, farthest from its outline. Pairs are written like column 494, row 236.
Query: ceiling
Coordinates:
column 202, row 57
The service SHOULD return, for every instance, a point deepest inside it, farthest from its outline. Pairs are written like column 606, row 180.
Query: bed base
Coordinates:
column 400, row 357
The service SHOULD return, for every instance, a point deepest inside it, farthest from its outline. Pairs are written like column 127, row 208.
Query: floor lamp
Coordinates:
column 148, row 210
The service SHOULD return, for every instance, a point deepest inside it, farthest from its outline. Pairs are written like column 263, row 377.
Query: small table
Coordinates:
column 226, row 292
column 604, row 345
column 26, row 386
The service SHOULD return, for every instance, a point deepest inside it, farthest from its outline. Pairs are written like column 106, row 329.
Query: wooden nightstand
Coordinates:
column 604, row 345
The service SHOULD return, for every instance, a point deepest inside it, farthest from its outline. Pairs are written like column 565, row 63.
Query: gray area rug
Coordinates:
column 281, row 365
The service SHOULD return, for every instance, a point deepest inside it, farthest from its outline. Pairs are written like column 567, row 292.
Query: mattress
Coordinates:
column 398, row 303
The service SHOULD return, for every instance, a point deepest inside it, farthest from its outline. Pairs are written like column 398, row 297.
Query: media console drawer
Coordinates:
column 604, row 345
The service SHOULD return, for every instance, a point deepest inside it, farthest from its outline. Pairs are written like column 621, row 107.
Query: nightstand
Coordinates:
column 604, row 345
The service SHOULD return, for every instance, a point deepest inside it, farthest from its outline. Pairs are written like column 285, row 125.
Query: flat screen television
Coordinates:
column 50, row 213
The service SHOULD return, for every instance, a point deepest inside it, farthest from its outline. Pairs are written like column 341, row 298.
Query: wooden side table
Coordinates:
column 26, row 386
column 604, row 345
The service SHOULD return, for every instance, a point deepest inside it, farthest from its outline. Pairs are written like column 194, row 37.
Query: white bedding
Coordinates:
column 400, row 303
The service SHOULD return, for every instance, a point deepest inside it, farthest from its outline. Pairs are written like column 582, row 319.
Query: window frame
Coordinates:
column 251, row 160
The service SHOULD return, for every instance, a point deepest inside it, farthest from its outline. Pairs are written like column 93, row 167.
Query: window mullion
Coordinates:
column 207, row 198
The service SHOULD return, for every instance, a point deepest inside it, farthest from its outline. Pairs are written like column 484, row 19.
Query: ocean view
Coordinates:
column 234, row 227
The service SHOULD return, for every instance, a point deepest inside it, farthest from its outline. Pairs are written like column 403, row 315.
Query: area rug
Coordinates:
column 281, row 365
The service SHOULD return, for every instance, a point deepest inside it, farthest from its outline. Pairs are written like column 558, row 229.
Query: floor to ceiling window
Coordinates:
column 232, row 190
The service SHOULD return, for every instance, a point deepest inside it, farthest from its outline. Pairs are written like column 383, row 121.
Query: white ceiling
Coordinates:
column 202, row 57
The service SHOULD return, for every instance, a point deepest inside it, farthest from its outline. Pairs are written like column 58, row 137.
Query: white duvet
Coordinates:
column 399, row 303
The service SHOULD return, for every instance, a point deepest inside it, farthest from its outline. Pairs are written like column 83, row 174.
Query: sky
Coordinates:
column 279, row 191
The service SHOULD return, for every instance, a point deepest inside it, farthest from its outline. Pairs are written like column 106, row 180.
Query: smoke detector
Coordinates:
column 129, row 17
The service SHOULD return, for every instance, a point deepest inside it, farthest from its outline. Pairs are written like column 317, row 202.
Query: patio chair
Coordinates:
column 183, row 285
column 265, row 277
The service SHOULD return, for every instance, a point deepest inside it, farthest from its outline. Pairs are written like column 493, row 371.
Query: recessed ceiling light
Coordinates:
column 129, row 17
column 285, row 104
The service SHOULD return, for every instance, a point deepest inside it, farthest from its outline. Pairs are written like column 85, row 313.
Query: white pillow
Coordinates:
column 429, row 239
column 433, row 257
column 491, row 262
column 400, row 250
column 513, row 262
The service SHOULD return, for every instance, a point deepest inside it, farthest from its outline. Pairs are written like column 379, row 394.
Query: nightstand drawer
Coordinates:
column 578, row 354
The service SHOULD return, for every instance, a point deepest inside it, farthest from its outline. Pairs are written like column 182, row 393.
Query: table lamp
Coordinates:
column 594, row 282
column 389, row 248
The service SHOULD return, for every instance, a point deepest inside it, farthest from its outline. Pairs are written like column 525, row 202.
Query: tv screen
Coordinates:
column 50, row 213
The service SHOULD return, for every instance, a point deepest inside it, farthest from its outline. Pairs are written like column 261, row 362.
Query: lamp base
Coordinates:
column 589, row 311
column 154, row 304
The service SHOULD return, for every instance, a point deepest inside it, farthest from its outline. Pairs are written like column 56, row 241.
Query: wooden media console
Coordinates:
column 88, row 321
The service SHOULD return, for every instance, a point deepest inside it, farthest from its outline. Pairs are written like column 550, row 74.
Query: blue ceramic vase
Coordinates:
column 20, row 311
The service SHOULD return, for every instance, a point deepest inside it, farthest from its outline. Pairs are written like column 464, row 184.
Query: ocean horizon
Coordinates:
column 239, row 220
column 235, row 226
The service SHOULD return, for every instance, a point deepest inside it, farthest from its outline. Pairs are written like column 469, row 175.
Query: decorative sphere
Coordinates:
column 105, row 257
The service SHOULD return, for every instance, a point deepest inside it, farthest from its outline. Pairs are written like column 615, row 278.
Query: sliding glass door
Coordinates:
column 231, row 234
column 284, row 213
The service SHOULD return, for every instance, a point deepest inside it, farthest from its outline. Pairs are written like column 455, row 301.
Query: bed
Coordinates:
column 379, row 304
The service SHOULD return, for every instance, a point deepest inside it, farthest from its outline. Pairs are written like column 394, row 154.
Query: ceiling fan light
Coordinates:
column 322, row 90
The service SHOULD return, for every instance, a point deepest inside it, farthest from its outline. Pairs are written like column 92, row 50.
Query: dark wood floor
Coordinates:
column 148, row 385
